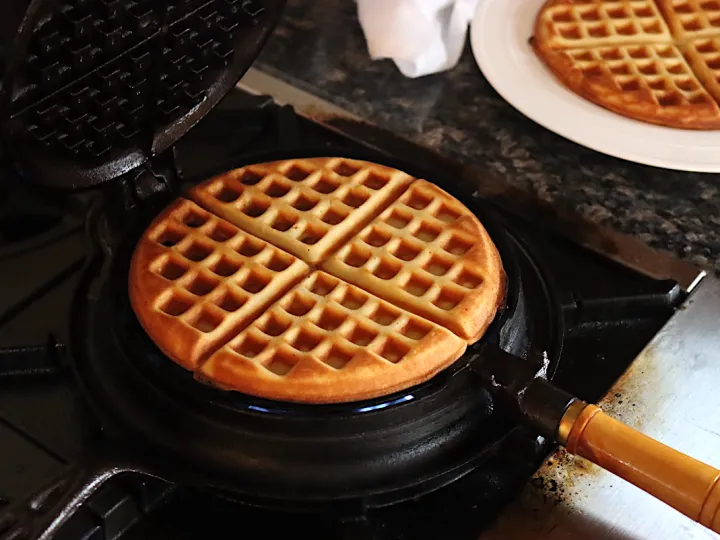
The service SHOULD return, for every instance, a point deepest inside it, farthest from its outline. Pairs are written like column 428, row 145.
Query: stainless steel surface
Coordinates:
column 621, row 248
column 670, row 393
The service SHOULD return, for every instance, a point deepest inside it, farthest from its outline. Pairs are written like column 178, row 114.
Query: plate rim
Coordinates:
column 643, row 131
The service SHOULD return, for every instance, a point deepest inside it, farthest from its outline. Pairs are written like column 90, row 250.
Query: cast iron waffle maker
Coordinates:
column 93, row 89
column 382, row 451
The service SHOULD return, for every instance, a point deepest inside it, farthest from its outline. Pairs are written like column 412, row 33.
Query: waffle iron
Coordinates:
column 93, row 90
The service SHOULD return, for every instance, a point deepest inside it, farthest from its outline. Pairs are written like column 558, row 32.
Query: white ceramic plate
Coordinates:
column 499, row 38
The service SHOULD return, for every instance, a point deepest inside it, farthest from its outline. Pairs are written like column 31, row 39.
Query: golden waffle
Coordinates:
column 652, row 83
column 329, row 341
column 303, row 206
column 430, row 255
column 653, row 61
column 583, row 24
column 195, row 279
column 408, row 276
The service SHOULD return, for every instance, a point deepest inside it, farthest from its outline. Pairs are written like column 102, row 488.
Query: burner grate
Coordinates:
column 31, row 361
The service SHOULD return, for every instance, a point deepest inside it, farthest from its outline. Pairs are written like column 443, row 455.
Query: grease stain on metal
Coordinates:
column 560, row 480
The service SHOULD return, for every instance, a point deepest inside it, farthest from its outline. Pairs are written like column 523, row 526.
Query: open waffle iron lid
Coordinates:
column 92, row 89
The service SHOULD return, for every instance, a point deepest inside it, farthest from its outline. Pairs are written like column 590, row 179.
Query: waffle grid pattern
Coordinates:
column 704, row 55
column 334, row 340
column 214, row 278
column 413, row 251
column 664, row 52
column 691, row 19
column 660, row 70
column 329, row 321
column 585, row 23
column 214, row 272
column 305, row 206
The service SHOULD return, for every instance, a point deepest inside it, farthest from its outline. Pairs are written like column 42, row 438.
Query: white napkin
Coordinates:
column 420, row 36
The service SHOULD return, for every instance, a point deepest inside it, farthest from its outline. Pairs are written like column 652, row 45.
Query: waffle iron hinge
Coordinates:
column 158, row 178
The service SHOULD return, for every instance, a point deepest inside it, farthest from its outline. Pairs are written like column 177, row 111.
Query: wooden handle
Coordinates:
column 686, row 484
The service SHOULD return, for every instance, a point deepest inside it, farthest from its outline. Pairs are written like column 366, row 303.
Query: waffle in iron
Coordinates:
column 316, row 280
column 428, row 254
column 330, row 341
column 303, row 206
column 654, row 61
column 204, row 278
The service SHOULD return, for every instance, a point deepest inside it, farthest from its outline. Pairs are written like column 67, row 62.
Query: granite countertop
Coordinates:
column 320, row 48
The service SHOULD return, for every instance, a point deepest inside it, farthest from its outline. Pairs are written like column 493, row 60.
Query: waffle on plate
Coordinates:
column 316, row 280
column 657, row 61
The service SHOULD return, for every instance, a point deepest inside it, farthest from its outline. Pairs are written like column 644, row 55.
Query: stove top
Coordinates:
column 610, row 312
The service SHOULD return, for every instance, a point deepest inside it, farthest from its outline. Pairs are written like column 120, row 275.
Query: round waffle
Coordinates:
column 654, row 61
column 316, row 280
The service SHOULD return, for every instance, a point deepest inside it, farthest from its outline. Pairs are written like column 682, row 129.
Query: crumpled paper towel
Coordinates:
column 420, row 36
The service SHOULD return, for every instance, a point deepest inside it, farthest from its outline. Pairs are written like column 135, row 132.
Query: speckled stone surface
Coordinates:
column 319, row 47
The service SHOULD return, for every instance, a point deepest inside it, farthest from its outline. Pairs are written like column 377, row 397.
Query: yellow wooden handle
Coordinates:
column 686, row 484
